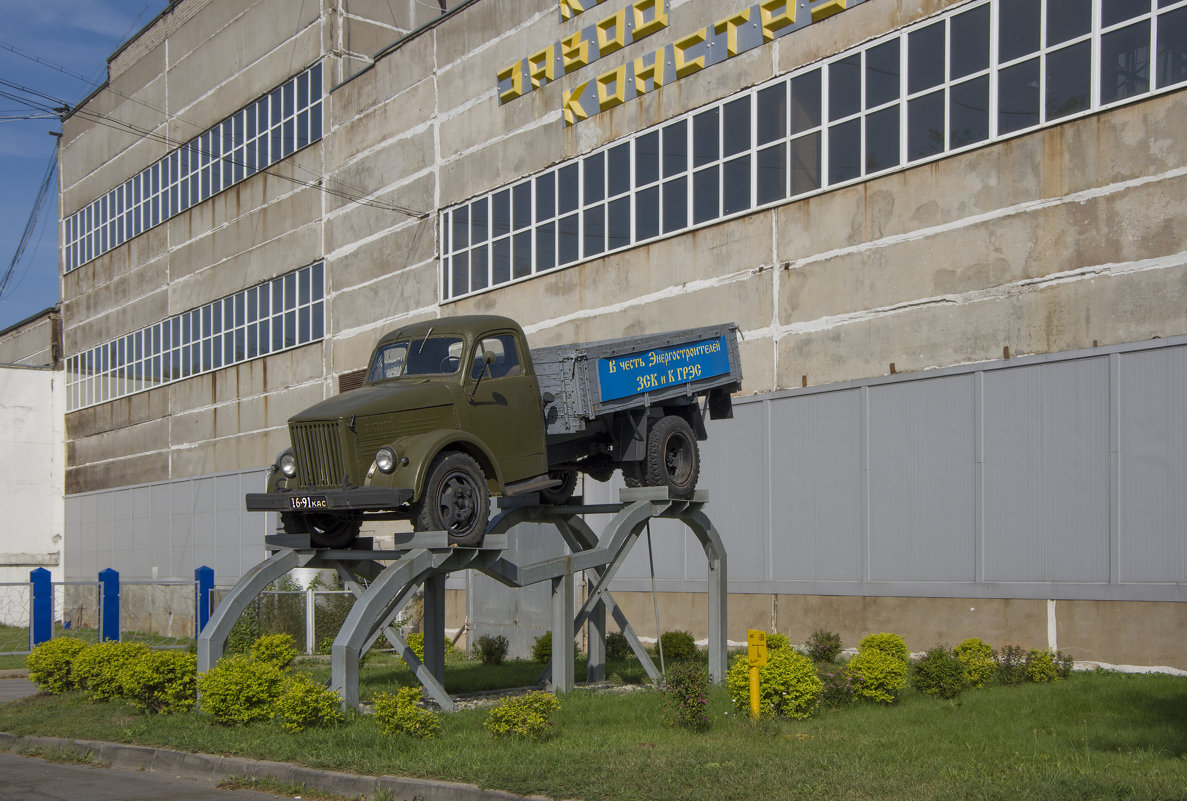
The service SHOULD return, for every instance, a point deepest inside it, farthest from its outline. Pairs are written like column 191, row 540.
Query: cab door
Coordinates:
column 504, row 405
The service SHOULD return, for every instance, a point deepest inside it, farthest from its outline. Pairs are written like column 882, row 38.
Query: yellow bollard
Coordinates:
column 757, row 653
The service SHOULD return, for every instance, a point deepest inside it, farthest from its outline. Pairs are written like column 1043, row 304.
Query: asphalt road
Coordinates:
column 28, row 779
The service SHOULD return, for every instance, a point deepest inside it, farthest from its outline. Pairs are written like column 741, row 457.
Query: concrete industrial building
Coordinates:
column 949, row 231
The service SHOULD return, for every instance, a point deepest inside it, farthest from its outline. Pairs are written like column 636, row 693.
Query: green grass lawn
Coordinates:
column 1096, row 735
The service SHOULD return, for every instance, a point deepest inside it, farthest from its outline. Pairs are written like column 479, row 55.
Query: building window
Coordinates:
column 973, row 74
column 285, row 312
column 252, row 139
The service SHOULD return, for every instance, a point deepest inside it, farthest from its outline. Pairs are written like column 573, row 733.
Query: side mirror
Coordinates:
column 548, row 398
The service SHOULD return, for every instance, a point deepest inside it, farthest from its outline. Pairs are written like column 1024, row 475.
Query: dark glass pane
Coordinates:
column 805, row 101
column 1114, row 11
column 478, row 275
column 595, row 177
column 736, row 126
column 545, row 196
column 500, row 213
column 675, row 204
column 478, row 227
column 1172, row 48
column 618, row 169
column 968, row 114
column 705, row 144
column 805, row 164
column 925, row 57
column 772, row 113
column 317, row 280
column 844, row 87
column 675, row 148
column 647, row 158
column 569, row 244
column 844, row 159
column 1067, row 19
column 460, row 265
column 545, row 247
column 1069, row 80
column 882, row 139
column 705, row 199
column 882, row 73
column 1018, row 97
column 1017, row 30
column 593, row 240
column 319, row 320
column 567, row 189
column 619, row 227
column 461, row 228
column 925, row 126
column 772, row 174
column 1125, row 62
column 500, row 261
column 521, row 204
column 647, row 213
column 970, row 41
column 521, row 256
column 735, row 180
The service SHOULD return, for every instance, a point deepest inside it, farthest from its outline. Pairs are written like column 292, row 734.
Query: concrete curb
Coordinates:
column 213, row 768
column 14, row 673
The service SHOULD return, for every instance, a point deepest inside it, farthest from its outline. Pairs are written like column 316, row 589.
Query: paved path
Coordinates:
column 12, row 689
column 27, row 779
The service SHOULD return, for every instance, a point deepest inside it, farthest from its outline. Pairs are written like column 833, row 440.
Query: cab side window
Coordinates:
column 506, row 357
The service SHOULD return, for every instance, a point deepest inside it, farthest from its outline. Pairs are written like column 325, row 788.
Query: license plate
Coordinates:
column 308, row 502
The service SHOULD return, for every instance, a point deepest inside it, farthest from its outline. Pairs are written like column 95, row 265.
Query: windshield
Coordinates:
column 428, row 356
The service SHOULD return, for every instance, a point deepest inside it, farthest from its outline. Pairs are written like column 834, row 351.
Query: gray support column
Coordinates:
column 696, row 520
column 213, row 638
column 562, row 633
column 434, row 626
column 596, row 636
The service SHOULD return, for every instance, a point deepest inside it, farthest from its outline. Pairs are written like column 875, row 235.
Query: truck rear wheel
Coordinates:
column 559, row 495
column 673, row 460
column 324, row 530
column 455, row 500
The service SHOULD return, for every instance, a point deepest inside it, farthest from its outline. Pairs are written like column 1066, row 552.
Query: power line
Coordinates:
column 31, row 222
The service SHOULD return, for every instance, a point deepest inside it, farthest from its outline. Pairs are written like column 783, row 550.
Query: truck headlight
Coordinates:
column 385, row 460
column 288, row 465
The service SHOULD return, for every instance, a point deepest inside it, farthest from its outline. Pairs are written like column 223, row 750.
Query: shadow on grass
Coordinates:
column 1145, row 715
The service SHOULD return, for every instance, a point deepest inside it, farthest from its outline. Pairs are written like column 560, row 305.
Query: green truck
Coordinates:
column 456, row 410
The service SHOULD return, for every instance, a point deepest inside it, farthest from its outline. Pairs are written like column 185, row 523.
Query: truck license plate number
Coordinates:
column 308, row 502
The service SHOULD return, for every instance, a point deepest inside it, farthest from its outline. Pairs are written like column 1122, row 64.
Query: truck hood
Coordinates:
column 395, row 396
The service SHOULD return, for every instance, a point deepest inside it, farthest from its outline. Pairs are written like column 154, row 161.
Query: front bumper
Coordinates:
column 359, row 499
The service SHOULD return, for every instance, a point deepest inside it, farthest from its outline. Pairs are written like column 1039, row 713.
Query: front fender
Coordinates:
column 420, row 451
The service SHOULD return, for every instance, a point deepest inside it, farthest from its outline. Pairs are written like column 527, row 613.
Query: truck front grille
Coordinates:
column 318, row 449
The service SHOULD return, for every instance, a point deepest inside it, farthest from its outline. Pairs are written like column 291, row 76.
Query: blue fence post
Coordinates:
column 109, row 620
column 205, row 577
column 43, row 605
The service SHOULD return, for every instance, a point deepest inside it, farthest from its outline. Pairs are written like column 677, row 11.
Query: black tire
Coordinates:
column 673, row 460
column 455, row 500
column 559, row 495
column 324, row 530
column 632, row 474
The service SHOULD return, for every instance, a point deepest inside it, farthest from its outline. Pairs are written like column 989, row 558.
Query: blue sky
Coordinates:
column 72, row 36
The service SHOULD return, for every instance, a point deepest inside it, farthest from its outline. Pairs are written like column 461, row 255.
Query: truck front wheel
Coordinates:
column 673, row 460
column 455, row 499
column 324, row 530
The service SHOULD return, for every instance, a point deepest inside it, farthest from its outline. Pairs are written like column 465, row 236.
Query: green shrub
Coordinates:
column 824, row 646
column 51, row 664
column 278, row 650
column 542, row 648
column 678, row 646
column 617, row 647
column 245, row 631
column 939, row 673
column 887, row 643
column 528, row 715
column 399, row 713
column 162, row 682
column 99, row 668
column 1046, row 665
column 304, row 704
column 839, row 686
column 788, row 684
column 491, row 650
column 977, row 658
column 686, row 696
column 879, row 676
column 777, row 642
column 1011, row 665
column 416, row 641
column 240, row 690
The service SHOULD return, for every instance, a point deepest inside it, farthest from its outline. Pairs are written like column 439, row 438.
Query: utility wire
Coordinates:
column 31, row 222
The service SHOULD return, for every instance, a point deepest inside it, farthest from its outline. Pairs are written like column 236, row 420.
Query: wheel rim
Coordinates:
column 457, row 502
column 678, row 459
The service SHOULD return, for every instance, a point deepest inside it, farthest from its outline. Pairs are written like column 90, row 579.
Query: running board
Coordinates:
column 531, row 485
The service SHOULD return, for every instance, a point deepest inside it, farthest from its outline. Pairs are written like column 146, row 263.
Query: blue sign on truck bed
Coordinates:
column 646, row 371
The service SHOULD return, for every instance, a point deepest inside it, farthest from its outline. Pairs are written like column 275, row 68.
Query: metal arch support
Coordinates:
column 704, row 530
column 213, row 639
